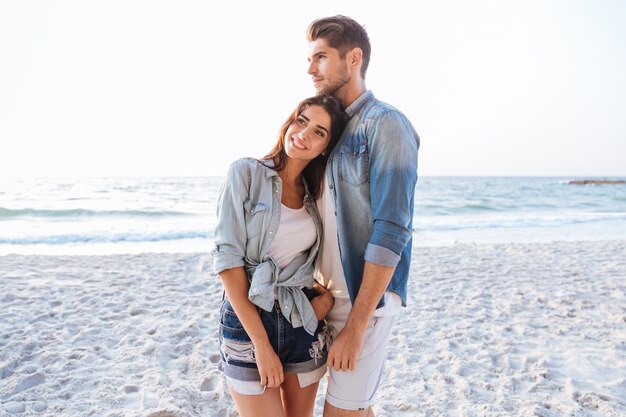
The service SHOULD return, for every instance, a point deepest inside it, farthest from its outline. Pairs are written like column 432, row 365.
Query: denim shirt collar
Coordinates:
column 269, row 167
column 359, row 103
column 271, row 172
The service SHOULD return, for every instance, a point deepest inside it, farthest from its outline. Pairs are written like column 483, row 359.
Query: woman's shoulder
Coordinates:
column 241, row 165
column 252, row 165
column 249, row 167
column 246, row 162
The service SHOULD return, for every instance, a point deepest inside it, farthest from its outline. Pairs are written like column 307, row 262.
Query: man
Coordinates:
column 367, row 211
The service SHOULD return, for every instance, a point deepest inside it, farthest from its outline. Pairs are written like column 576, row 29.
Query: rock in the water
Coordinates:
column 596, row 182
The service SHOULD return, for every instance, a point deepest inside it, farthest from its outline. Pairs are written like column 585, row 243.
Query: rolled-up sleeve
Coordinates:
column 230, row 233
column 393, row 149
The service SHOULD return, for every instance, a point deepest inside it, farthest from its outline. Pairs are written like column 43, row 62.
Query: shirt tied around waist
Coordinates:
column 267, row 279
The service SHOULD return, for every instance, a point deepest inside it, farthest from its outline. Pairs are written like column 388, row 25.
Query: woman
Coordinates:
column 272, row 340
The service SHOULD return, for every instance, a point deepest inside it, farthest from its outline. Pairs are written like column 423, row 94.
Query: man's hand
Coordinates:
column 345, row 349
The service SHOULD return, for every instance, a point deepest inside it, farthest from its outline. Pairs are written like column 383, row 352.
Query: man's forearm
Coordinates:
column 376, row 278
column 347, row 345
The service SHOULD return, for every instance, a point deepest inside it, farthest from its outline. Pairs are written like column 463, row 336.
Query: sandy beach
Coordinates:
column 491, row 330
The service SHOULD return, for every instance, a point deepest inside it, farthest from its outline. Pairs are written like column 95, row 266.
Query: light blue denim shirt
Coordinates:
column 373, row 172
column 248, row 213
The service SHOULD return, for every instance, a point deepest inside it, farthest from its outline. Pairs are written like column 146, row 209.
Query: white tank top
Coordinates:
column 328, row 263
column 296, row 234
column 329, row 269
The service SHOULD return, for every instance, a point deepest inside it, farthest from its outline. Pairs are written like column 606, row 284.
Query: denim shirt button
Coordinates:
column 330, row 186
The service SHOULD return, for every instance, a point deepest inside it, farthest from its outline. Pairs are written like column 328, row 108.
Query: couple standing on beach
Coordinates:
column 313, row 242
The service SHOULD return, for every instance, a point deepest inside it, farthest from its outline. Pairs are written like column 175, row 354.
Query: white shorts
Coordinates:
column 255, row 388
column 355, row 390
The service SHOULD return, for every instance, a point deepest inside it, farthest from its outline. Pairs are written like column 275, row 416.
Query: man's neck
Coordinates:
column 350, row 92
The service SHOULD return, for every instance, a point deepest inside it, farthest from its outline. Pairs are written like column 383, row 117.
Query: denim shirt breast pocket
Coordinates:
column 255, row 213
column 354, row 162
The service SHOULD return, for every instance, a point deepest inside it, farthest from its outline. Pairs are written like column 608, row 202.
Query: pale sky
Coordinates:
column 169, row 88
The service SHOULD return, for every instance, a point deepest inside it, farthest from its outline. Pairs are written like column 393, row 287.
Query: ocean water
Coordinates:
column 134, row 215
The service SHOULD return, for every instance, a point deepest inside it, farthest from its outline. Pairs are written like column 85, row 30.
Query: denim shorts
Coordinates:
column 298, row 351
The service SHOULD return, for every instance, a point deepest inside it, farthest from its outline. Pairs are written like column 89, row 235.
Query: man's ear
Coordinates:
column 356, row 56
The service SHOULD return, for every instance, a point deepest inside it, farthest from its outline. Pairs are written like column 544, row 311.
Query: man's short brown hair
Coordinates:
column 343, row 34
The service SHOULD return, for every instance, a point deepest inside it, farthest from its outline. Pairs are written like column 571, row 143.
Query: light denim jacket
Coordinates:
column 373, row 172
column 248, row 213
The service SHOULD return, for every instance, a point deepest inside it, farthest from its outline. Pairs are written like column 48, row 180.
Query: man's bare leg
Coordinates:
column 332, row 411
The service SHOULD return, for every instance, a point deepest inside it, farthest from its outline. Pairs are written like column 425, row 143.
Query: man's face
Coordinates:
column 328, row 69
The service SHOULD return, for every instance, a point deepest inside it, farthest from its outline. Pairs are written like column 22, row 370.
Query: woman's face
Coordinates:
column 309, row 134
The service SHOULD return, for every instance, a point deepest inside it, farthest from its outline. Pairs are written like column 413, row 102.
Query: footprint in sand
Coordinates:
column 28, row 382
column 40, row 406
column 137, row 398
column 7, row 368
column 212, row 384
column 163, row 414
column 14, row 407
column 593, row 401
column 222, row 413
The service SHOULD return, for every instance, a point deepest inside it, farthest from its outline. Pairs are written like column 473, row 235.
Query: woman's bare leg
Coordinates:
column 297, row 402
column 266, row 404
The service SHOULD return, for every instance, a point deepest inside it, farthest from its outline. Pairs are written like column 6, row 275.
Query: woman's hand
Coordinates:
column 322, row 302
column 270, row 368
